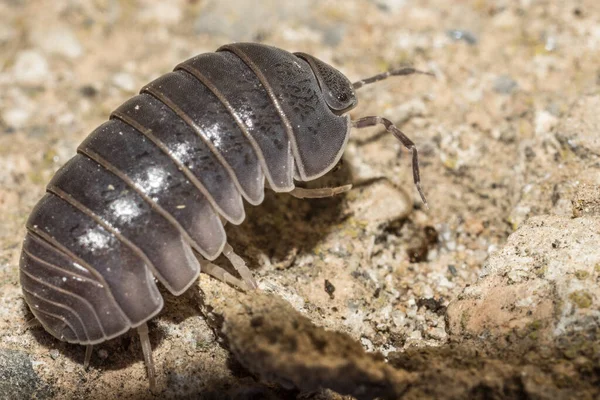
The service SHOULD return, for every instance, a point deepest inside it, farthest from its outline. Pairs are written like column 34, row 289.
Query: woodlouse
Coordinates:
column 155, row 184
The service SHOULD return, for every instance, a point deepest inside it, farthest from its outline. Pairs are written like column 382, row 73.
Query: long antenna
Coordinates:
column 385, row 75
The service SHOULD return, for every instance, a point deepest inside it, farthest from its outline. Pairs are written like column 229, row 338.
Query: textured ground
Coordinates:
column 490, row 293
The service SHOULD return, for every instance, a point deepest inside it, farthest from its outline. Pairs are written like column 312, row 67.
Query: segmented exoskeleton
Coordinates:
column 155, row 184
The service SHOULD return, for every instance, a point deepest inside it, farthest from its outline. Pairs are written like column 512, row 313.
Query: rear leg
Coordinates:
column 209, row 268
column 32, row 323
column 88, row 356
column 147, row 351
column 35, row 323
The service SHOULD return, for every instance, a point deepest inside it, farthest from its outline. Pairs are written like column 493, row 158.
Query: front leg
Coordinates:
column 406, row 142
column 303, row 193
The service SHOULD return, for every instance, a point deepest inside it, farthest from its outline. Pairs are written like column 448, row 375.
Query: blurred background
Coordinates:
column 507, row 131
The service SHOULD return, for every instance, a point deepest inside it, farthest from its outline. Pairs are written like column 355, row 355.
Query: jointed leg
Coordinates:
column 240, row 266
column 32, row 323
column 88, row 355
column 217, row 272
column 147, row 350
column 303, row 193
column 385, row 75
column 390, row 127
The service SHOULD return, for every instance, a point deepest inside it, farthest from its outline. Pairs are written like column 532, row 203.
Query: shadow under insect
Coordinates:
column 284, row 227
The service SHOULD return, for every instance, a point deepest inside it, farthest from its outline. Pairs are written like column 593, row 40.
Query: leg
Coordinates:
column 385, row 75
column 240, row 266
column 217, row 272
column 88, row 356
column 372, row 121
column 32, row 323
column 302, row 193
column 147, row 350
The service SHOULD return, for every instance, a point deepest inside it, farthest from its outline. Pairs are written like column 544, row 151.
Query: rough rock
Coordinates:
column 543, row 282
column 18, row 380
column 563, row 159
column 280, row 345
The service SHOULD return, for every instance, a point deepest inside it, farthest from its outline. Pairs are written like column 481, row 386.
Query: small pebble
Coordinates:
column 88, row 91
column 54, row 354
column 474, row 226
column 399, row 318
column 329, row 288
column 466, row 36
column 416, row 335
column 61, row 41
column 504, row 84
column 433, row 305
column 16, row 117
column 124, row 81
column 164, row 13
column 452, row 270
column 544, row 122
column 550, row 43
column 390, row 5
column 367, row 344
column 381, row 202
column 30, row 68
column 334, row 35
column 103, row 354
column 437, row 333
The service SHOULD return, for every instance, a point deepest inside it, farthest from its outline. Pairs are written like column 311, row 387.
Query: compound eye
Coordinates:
column 342, row 97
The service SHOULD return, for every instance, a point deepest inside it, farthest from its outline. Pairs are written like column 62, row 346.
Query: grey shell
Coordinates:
column 152, row 185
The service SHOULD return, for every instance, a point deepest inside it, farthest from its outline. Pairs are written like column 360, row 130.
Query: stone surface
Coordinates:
column 278, row 344
column 18, row 380
column 544, row 282
column 507, row 133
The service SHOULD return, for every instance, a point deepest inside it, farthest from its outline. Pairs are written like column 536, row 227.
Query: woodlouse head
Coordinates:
column 337, row 89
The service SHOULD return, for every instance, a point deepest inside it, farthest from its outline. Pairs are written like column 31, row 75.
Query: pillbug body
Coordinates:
column 149, row 191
